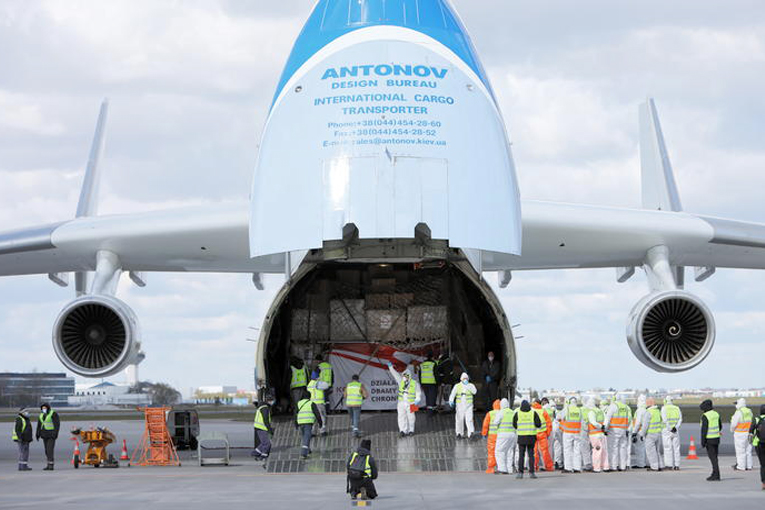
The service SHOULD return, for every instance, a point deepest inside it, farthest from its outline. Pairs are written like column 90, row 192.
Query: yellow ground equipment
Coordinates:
column 97, row 440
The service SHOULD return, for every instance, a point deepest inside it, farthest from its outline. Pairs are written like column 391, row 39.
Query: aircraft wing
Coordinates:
column 215, row 239
column 559, row 235
column 203, row 239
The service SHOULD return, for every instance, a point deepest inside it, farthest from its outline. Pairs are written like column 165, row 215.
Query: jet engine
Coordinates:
column 671, row 331
column 96, row 336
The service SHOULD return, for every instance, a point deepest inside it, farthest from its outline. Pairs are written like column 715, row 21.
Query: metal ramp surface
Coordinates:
column 432, row 448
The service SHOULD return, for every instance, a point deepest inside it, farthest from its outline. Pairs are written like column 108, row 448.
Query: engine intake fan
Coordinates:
column 96, row 336
column 671, row 331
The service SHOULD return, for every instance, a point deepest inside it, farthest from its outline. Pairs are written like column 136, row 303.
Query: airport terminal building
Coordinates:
column 32, row 389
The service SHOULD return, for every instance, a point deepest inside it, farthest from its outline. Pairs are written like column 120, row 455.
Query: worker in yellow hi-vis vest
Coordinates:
column 711, row 432
column 48, row 425
column 22, row 436
column 355, row 393
column 739, row 425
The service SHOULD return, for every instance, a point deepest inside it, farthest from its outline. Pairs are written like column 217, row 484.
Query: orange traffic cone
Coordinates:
column 76, row 454
column 124, row 455
column 692, row 451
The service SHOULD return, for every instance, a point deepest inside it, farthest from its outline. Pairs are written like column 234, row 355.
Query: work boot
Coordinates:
column 713, row 478
column 519, row 476
column 27, row 468
column 533, row 476
column 49, row 467
column 363, row 494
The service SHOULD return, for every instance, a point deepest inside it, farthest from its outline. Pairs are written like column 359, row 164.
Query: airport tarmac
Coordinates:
column 428, row 471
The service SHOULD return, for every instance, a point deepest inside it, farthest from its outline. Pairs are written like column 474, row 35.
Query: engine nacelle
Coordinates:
column 671, row 331
column 96, row 336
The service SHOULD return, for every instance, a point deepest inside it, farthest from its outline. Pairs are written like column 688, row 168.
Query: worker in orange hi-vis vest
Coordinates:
column 489, row 431
column 542, row 447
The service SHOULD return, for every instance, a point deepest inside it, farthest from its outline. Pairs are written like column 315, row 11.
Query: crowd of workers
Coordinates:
column 596, row 436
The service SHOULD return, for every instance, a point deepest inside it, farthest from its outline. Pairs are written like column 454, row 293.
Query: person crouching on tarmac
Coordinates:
column 571, row 426
column 317, row 389
column 618, row 418
column 22, row 436
column 739, row 425
column 526, row 422
column 461, row 399
column 506, row 439
column 409, row 394
column 263, row 429
column 489, row 431
column 650, row 431
column 596, row 429
column 362, row 470
column 307, row 414
column 542, row 447
column 672, row 418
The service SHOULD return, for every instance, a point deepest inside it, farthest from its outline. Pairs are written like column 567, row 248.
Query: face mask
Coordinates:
column 25, row 414
column 491, row 358
column 465, row 382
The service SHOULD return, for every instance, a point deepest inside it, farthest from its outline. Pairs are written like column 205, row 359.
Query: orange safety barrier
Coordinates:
column 156, row 447
column 692, row 451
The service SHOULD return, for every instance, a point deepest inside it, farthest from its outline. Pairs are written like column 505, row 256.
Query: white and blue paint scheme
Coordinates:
column 396, row 125
column 385, row 120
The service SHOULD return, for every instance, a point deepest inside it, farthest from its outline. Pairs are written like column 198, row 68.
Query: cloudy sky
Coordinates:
column 190, row 84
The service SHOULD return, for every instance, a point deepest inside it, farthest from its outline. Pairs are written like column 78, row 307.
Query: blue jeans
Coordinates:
column 306, row 429
column 355, row 413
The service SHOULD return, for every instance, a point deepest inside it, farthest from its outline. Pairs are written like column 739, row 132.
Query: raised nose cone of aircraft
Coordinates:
column 332, row 19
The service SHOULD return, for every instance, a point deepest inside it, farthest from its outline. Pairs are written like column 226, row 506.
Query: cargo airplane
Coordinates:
column 385, row 163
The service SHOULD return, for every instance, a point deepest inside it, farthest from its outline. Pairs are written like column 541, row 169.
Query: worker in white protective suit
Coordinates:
column 650, row 431
column 570, row 421
column 638, row 441
column 596, row 429
column 618, row 418
column 461, row 399
column 740, row 425
column 409, row 394
column 556, row 441
column 506, row 439
column 672, row 417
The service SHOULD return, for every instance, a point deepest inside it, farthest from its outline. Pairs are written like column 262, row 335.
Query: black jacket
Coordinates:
column 526, row 407
column 707, row 406
column 372, row 463
column 26, row 436
column 493, row 370
column 49, row 434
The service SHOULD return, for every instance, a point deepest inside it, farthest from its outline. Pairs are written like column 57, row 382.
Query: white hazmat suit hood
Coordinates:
column 572, row 401
column 590, row 402
column 464, row 377
column 641, row 401
column 504, row 403
column 668, row 400
column 741, row 403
